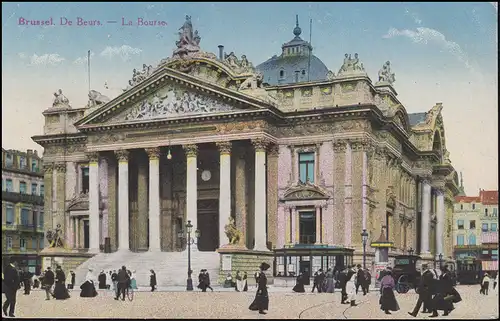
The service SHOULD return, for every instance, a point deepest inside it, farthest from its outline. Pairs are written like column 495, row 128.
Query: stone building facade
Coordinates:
column 22, row 207
column 201, row 137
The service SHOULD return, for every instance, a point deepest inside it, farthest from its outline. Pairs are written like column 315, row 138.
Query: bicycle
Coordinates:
column 130, row 293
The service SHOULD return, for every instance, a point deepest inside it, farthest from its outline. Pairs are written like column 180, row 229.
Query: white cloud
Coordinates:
column 83, row 60
column 43, row 60
column 430, row 36
column 125, row 52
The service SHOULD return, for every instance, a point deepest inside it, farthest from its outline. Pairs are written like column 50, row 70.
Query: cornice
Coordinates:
column 59, row 139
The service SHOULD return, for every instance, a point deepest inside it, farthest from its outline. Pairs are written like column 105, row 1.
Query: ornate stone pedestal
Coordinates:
column 238, row 258
column 67, row 259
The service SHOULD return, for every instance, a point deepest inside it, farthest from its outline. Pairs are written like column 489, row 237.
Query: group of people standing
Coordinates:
column 240, row 285
column 485, row 283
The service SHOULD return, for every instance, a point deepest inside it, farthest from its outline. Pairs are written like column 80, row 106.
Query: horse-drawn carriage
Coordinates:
column 405, row 273
column 469, row 270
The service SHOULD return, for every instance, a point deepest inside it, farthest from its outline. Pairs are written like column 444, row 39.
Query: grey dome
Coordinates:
column 295, row 64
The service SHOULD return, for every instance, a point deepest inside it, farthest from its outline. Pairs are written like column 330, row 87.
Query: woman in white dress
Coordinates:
column 351, row 286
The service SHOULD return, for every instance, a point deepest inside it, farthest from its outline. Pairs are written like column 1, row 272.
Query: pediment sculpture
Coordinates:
column 385, row 75
column 172, row 102
column 139, row 76
column 189, row 41
column 79, row 201
column 55, row 237
column 303, row 191
column 96, row 98
column 390, row 198
column 60, row 100
column 242, row 66
column 351, row 66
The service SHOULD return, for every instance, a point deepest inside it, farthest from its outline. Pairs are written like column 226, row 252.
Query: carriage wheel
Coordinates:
column 402, row 286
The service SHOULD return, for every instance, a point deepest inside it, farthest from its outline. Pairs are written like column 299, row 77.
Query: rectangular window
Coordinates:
column 460, row 240
column 486, row 212
column 42, row 190
column 34, row 188
column 9, row 215
column 485, row 252
column 25, row 217
column 40, row 219
column 495, row 212
column 9, row 160
column 85, row 180
column 484, row 228
column 494, row 255
column 473, row 206
column 41, row 243
column 9, row 186
column 22, row 162
column 22, row 187
column 306, row 167
column 22, row 244
column 460, row 224
column 34, row 167
column 8, row 240
column 493, row 227
column 307, row 227
column 472, row 225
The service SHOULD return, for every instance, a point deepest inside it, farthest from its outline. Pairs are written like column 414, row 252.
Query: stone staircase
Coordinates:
column 170, row 267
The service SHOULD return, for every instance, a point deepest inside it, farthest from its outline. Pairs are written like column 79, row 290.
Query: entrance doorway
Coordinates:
column 305, row 267
column 208, row 224
column 307, row 227
column 86, row 238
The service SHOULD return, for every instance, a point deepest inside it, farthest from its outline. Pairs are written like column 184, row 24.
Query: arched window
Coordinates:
column 282, row 74
column 472, row 239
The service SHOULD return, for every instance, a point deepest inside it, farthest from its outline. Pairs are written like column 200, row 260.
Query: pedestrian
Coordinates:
column 239, row 284
column 10, row 282
column 122, row 282
column 424, row 290
column 330, row 281
column 133, row 281
column 88, row 287
column 207, row 280
column 446, row 295
column 343, row 278
column 387, row 299
column 261, row 301
column 299, row 285
column 368, row 281
column 351, row 286
column 152, row 280
column 228, row 283
column 360, row 280
column 315, row 281
column 60, row 290
column 245, row 282
column 485, row 284
column 27, row 282
column 47, row 283
column 495, row 281
column 102, row 280
column 114, row 281
column 73, row 278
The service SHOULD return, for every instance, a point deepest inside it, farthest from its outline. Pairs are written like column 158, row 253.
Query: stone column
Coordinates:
column 123, row 201
column 71, row 236
column 272, row 194
column 48, row 185
column 294, row 237
column 142, row 203
column 260, row 195
column 240, row 192
column 282, row 233
column 59, row 211
column 224, row 190
column 154, row 199
column 318, row 224
column 295, row 166
column 348, row 196
column 338, row 219
column 440, row 222
column 112, row 203
column 77, row 232
column 93, row 202
column 426, row 217
column 192, row 187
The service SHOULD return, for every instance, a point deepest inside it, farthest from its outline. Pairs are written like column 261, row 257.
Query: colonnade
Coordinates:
column 426, row 190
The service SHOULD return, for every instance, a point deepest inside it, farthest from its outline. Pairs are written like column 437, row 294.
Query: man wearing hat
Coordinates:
column 47, row 282
column 424, row 291
column 360, row 280
column 11, row 285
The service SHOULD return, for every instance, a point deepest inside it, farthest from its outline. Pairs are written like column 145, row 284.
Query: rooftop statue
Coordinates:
column 189, row 42
column 60, row 100
column 138, row 76
column 351, row 65
column 385, row 74
column 96, row 98
column 238, row 66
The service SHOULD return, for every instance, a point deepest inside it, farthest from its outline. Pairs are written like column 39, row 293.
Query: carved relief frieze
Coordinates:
column 322, row 128
column 303, row 191
column 106, row 138
column 326, row 90
column 235, row 127
column 307, row 92
column 76, row 148
column 361, row 145
column 347, row 87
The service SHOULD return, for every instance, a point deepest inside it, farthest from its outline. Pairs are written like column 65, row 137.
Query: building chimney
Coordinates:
column 221, row 52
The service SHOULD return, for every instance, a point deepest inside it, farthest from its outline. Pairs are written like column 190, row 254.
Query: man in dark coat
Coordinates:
column 360, row 280
column 27, row 282
column 444, row 289
column 123, row 281
column 73, row 279
column 424, row 290
column 261, row 302
column 47, row 283
column 102, row 280
column 11, row 285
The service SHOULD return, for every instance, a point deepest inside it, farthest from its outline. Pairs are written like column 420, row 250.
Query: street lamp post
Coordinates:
column 190, row 241
column 364, row 237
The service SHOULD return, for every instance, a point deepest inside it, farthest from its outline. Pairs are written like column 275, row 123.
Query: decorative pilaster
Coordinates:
column 154, row 199
column 224, row 190
column 318, row 225
column 240, row 199
column 294, row 238
column 260, row 146
column 58, row 213
column 348, row 196
column 94, row 236
column 192, row 186
column 123, row 200
column 48, row 180
column 142, row 215
column 272, row 194
column 112, row 202
column 339, row 164
column 440, row 217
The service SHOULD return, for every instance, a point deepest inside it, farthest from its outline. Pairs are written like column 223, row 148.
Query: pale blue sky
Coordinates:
column 440, row 52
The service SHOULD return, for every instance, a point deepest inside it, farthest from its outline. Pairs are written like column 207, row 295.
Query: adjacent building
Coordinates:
column 22, row 207
column 303, row 158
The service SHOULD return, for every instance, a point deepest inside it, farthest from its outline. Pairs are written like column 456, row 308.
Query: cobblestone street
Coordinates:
column 234, row 305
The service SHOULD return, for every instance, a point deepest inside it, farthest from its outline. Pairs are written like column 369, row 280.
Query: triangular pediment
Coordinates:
column 170, row 94
column 304, row 191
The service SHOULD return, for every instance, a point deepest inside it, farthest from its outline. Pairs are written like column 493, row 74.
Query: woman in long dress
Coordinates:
column 152, row 280
column 88, row 287
column 60, row 291
column 299, row 286
column 239, row 282
column 387, row 299
column 245, row 282
column 330, row 281
column 261, row 301
column 351, row 286
column 133, row 281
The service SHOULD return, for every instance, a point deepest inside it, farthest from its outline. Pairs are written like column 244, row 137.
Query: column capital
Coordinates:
column 190, row 150
column 93, row 157
column 224, row 147
column 360, row 145
column 317, row 206
column 153, row 153
column 339, row 145
column 122, row 155
column 273, row 150
column 48, row 168
column 260, row 144
column 60, row 167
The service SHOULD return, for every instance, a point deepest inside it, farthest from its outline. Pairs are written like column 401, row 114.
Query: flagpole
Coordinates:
column 88, row 59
